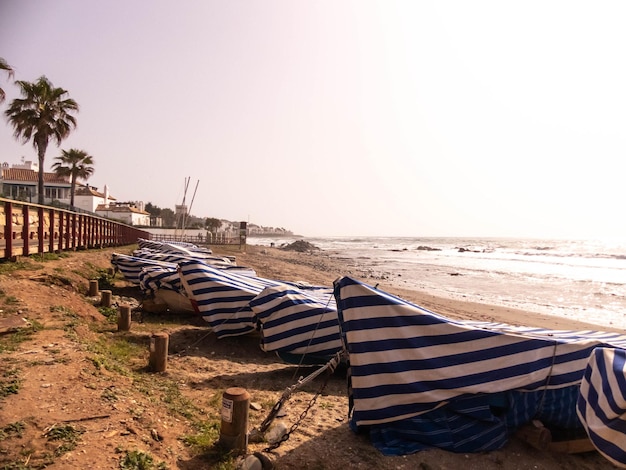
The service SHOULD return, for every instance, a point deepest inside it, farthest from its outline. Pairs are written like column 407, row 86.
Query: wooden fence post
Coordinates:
column 123, row 318
column 159, row 343
column 105, row 299
column 93, row 287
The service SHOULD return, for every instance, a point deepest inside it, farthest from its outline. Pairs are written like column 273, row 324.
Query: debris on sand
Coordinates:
column 300, row 246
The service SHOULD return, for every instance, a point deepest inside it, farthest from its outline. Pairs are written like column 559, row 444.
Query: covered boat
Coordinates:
column 222, row 297
column 421, row 380
column 298, row 322
column 132, row 266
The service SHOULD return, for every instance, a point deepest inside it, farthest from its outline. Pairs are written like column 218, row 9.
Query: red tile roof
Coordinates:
column 113, row 208
column 29, row 176
column 88, row 191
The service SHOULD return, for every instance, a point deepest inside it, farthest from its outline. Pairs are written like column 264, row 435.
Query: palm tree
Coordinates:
column 43, row 113
column 6, row 67
column 76, row 164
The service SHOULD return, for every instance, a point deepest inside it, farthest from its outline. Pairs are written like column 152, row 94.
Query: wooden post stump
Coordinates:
column 535, row 434
column 159, row 343
column 234, row 427
column 93, row 288
column 105, row 298
column 123, row 318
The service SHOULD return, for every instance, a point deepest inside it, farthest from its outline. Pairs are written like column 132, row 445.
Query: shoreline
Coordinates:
column 319, row 268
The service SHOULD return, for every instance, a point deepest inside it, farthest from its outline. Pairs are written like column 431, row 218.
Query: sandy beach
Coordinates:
column 71, row 371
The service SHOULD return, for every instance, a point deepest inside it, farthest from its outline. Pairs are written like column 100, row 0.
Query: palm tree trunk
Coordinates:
column 72, row 189
column 41, row 153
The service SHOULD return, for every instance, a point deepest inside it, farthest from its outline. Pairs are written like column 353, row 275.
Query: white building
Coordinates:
column 88, row 198
column 21, row 182
column 125, row 213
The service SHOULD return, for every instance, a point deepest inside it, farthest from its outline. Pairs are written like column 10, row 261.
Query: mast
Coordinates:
column 184, row 210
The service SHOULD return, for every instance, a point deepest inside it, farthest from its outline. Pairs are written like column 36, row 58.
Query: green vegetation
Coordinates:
column 138, row 460
column 66, row 313
column 161, row 390
column 88, row 270
column 12, row 429
column 11, row 342
column 115, row 355
column 43, row 113
column 74, row 164
column 11, row 300
column 8, row 267
column 110, row 313
column 72, row 317
column 109, row 394
column 212, row 224
column 9, row 384
column 105, row 280
column 9, row 71
column 206, row 435
column 50, row 256
column 69, row 436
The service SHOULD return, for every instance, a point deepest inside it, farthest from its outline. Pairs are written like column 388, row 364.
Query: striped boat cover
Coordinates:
column 602, row 403
column 131, row 266
column 154, row 278
column 156, row 245
column 298, row 320
column 407, row 361
column 177, row 257
column 144, row 243
column 221, row 297
column 191, row 251
column 479, row 422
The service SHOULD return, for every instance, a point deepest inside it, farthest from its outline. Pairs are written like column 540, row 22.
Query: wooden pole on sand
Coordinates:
column 234, row 427
column 159, row 343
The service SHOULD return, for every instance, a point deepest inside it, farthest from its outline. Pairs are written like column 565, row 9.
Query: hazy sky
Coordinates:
column 440, row 118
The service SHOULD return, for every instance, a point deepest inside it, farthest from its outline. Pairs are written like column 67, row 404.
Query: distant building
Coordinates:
column 181, row 210
column 88, row 198
column 21, row 182
column 125, row 212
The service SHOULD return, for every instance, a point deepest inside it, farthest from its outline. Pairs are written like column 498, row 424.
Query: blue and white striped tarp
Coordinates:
column 222, row 297
column 145, row 243
column 178, row 257
column 479, row 422
column 159, row 246
column 602, row 403
column 190, row 251
column 131, row 266
column 299, row 321
column 155, row 278
column 406, row 361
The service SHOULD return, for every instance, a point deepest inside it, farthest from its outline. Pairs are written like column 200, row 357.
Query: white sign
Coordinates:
column 227, row 410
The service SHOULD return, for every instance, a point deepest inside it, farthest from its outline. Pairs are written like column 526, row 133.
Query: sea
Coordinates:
column 582, row 280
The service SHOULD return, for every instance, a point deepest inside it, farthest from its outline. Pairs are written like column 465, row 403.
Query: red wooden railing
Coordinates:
column 31, row 228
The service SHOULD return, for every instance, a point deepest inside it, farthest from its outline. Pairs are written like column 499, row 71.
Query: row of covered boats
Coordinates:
column 417, row 379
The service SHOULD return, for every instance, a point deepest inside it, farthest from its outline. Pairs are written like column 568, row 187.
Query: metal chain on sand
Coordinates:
column 295, row 425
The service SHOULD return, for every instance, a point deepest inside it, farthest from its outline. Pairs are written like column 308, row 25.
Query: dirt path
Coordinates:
column 76, row 393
